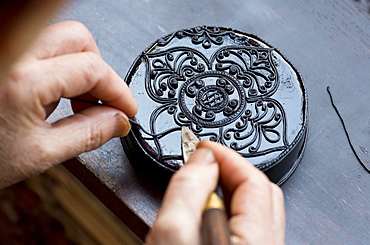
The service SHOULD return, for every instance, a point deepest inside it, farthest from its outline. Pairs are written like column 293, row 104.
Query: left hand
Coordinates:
column 63, row 62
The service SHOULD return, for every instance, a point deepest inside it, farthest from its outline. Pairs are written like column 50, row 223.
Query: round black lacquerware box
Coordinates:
column 226, row 86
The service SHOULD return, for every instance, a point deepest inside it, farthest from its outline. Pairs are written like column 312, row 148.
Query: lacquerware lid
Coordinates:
column 226, row 86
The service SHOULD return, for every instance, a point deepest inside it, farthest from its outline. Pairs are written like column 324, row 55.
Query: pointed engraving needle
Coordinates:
column 189, row 143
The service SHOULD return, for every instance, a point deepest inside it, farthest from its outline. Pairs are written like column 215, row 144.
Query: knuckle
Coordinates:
column 259, row 180
column 179, row 177
column 19, row 73
column 94, row 139
column 183, row 178
column 11, row 93
column 179, row 180
column 95, row 65
column 81, row 32
column 193, row 179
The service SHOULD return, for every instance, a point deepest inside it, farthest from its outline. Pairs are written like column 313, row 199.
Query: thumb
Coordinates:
column 179, row 219
column 85, row 131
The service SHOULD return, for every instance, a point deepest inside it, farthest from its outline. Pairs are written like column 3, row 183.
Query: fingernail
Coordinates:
column 123, row 126
column 202, row 156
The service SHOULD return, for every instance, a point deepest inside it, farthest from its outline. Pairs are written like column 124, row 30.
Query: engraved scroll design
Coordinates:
column 204, row 35
column 262, row 121
column 253, row 67
column 169, row 68
column 225, row 97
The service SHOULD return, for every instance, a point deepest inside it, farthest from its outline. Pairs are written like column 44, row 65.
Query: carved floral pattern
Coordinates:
column 225, row 97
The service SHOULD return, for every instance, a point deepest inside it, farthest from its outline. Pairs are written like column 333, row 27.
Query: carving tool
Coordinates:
column 215, row 230
column 132, row 122
column 99, row 103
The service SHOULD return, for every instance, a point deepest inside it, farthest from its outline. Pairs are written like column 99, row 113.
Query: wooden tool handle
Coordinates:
column 215, row 229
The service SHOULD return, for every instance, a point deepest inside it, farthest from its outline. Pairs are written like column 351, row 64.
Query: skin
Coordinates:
column 256, row 205
column 64, row 61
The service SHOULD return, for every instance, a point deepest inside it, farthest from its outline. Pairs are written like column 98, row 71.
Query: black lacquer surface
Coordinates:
column 227, row 86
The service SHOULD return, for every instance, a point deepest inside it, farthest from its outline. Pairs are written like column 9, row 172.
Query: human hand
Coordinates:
column 256, row 205
column 63, row 62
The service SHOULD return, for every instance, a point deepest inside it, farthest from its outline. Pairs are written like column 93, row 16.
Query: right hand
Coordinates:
column 256, row 205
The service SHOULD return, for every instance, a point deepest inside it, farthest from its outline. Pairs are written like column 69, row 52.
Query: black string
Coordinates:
column 345, row 130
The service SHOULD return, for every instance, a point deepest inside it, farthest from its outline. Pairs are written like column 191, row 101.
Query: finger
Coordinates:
column 82, row 132
column 63, row 38
column 78, row 106
column 251, row 205
column 252, row 212
column 76, row 74
column 179, row 219
column 234, row 169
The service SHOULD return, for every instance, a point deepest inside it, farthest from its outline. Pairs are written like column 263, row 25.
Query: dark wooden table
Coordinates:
column 328, row 197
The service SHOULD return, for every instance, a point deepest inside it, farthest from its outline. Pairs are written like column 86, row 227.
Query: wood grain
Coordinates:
column 215, row 230
column 327, row 198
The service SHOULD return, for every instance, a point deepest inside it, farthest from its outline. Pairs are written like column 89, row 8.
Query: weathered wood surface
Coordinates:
column 327, row 198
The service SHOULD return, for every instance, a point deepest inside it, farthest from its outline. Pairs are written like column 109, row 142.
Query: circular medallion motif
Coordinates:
column 212, row 99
